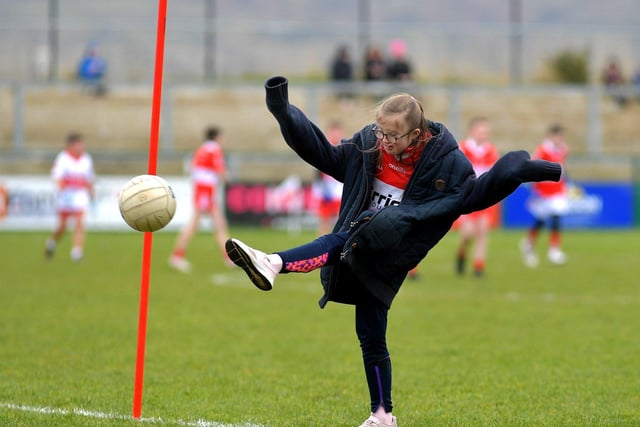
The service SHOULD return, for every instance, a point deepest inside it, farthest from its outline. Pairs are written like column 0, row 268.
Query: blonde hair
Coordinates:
column 412, row 112
column 407, row 106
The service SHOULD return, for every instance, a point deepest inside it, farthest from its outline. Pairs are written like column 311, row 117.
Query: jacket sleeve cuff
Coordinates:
column 549, row 171
column 276, row 88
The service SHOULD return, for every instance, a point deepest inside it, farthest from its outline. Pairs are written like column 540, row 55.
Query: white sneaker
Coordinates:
column 180, row 263
column 372, row 421
column 556, row 256
column 529, row 256
column 254, row 262
column 76, row 254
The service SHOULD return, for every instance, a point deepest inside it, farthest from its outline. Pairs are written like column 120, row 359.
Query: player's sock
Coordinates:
column 313, row 255
column 178, row 253
column 478, row 267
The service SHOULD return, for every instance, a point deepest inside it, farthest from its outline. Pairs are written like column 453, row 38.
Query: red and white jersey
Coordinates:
column 74, row 176
column 73, row 172
column 553, row 153
column 207, row 165
column 482, row 156
column 391, row 179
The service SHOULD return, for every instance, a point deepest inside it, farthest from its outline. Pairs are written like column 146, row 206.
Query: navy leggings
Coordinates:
column 370, row 315
column 371, row 328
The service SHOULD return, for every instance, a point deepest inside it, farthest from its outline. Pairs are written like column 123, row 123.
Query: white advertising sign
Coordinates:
column 32, row 203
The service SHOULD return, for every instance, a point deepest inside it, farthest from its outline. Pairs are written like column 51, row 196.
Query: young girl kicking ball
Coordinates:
column 405, row 183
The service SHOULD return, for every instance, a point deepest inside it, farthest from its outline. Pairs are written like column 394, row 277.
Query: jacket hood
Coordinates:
column 443, row 141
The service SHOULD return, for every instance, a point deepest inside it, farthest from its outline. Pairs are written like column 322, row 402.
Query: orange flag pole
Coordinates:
column 148, row 236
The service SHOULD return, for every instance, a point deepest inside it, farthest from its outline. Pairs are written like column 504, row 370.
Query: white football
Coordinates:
column 147, row 203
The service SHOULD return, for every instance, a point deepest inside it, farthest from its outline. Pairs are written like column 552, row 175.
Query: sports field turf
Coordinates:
column 554, row 346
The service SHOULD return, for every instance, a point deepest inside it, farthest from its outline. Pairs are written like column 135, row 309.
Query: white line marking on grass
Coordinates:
column 551, row 297
column 232, row 279
column 111, row 416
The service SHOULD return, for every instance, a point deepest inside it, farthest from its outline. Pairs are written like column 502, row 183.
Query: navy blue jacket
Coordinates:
column 384, row 245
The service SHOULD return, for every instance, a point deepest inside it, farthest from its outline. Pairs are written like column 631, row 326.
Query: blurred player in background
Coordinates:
column 327, row 190
column 74, row 175
column 4, row 201
column 550, row 201
column 474, row 227
column 207, row 177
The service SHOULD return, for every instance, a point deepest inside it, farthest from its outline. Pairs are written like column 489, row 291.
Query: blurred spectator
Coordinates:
column 342, row 72
column 375, row 66
column 399, row 68
column 613, row 80
column 91, row 71
column 342, row 67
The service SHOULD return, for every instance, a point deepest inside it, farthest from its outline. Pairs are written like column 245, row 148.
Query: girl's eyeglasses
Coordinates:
column 391, row 138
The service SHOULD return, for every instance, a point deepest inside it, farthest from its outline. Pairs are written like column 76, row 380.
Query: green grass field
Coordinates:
column 554, row 346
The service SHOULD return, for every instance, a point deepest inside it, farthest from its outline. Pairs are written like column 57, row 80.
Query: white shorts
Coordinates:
column 72, row 201
column 544, row 207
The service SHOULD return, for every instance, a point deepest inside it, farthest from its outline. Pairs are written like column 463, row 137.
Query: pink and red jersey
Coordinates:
column 207, row 169
column 482, row 156
column 207, row 165
column 554, row 153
